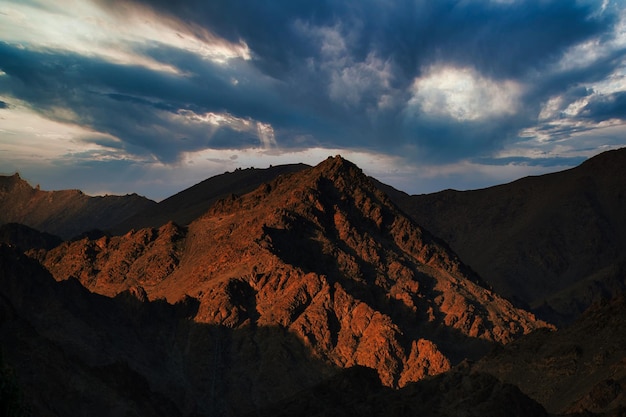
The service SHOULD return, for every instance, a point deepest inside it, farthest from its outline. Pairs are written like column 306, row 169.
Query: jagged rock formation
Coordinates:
column 112, row 264
column 323, row 255
column 189, row 204
column 65, row 213
column 555, row 243
column 579, row 369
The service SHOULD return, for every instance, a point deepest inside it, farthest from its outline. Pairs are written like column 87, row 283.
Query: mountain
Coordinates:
column 70, row 352
column 322, row 255
column 189, row 204
column 76, row 353
column 65, row 213
column 554, row 243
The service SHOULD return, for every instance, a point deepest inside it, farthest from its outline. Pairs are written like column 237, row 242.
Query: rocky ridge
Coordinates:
column 184, row 207
column 76, row 353
column 65, row 213
column 322, row 254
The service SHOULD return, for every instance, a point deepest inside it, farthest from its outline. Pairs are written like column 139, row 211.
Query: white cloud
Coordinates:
column 265, row 132
column 26, row 137
column 463, row 94
column 83, row 27
column 212, row 122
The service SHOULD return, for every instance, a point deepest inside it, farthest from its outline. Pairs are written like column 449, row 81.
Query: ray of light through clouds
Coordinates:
column 152, row 96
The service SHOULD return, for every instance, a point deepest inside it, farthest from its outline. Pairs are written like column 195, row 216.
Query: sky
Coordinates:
column 153, row 96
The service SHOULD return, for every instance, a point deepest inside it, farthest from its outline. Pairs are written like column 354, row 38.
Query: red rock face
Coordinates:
column 322, row 254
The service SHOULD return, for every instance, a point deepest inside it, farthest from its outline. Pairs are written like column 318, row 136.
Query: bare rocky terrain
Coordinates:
column 313, row 294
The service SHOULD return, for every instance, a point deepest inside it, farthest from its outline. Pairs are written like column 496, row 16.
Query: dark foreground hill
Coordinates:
column 65, row 213
column 555, row 242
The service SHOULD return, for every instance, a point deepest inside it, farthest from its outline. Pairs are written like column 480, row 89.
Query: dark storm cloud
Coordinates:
column 323, row 72
column 612, row 106
column 504, row 41
column 132, row 103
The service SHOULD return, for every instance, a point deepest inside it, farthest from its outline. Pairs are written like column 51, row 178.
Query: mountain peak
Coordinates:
column 337, row 165
column 9, row 182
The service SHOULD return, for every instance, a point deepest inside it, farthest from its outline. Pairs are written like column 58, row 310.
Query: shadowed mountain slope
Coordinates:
column 579, row 369
column 458, row 392
column 26, row 238
column 555, row 242
column 323, row 254
column 65, row 213
column 189, row 204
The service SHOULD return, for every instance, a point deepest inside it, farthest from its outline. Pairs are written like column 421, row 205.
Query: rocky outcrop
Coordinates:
column 112, row 264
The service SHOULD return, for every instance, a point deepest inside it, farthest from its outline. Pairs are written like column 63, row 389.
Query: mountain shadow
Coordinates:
column 579, row 369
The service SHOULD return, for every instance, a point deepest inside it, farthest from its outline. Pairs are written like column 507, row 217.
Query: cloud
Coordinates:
column 463, row 94
column 456, row 83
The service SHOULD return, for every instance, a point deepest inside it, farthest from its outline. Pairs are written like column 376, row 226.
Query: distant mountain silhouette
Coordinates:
column 555, row 243
column 65, row 213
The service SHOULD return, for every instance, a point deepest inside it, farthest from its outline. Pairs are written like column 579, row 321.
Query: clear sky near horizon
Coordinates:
column 153, row 96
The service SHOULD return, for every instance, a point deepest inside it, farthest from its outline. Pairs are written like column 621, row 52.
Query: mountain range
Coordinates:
column 320, row 291
column 65, row 213
column 553, row 244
